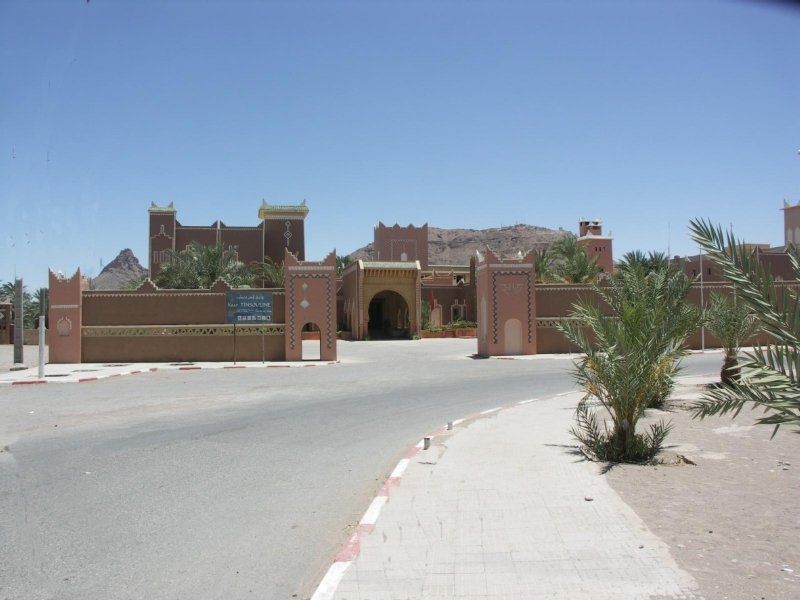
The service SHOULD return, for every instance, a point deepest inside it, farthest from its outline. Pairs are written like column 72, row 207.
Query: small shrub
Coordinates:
column 604, row 444
column 461, row 324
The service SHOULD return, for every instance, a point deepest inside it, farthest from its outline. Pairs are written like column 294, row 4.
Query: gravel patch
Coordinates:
column 732, row 519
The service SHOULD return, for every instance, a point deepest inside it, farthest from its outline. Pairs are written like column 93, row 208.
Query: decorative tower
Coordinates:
column 791, row 223
column 598, row 246
column 283, row 227
column 403, row 244
column 161, row 237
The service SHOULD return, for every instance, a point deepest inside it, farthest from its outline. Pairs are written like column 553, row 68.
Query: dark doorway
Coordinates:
column 388, row 317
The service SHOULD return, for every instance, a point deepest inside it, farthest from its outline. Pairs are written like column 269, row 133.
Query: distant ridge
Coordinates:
column 124, row 268
column 455, row 246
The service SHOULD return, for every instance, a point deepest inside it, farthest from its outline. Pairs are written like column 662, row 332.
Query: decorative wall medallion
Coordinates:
column 288, row 234
column 304, row 303
column 511, row 288
column 64, row 326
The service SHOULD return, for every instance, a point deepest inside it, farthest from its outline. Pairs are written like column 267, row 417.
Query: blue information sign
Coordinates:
column 248, row 307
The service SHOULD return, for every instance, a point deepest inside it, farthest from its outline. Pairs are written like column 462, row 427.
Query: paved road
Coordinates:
column 225, row 484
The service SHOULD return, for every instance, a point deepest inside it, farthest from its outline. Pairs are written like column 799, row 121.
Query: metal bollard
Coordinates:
column 426, row 443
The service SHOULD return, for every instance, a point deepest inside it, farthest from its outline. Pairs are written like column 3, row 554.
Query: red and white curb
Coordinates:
column 352, row 548
column 68, row 377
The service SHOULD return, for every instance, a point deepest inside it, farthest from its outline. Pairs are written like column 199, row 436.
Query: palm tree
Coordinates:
column 572, row 264
column 770, row 376
column 543, row 264
column 341, row 264
column 7, row 291
column 732, row 323
column 199, row 266
column 42, row 302
column 631, row 358
column 269, row 273
column 636, row 259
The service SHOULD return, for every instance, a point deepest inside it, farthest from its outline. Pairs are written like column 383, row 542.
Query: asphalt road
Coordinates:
column 226, row 484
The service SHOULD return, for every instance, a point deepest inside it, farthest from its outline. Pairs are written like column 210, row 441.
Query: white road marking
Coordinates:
column 400, row 468
column 373, row 512
column 329, row 583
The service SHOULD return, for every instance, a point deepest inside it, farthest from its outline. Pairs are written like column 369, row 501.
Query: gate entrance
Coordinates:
column 388, row 317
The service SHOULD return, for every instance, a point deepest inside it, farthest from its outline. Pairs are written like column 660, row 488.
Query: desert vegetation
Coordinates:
column 632, row 347
column 770, row 374
column 33, row 304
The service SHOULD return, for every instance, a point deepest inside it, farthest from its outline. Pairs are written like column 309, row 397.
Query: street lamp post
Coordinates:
column 702, row 306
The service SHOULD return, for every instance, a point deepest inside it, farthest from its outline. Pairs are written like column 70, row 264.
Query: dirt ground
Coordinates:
column 733, row 520
column 30, row 354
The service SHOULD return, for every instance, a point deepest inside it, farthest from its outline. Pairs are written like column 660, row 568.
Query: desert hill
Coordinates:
column 455, row 246
column 124, row 268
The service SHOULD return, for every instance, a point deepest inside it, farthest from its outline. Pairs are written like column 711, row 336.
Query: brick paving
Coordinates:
column 505, row 508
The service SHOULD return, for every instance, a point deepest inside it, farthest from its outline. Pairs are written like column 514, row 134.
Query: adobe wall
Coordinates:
column 164, row 307
column 248, row 242
column 30, row 337
column 447, row 296
column 179, row 344
column 779, row 265
column 555, row 301
column 185, row 235
column 152, row 325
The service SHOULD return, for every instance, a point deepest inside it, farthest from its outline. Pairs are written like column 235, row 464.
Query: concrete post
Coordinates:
column 42, row 332
column 19, row 328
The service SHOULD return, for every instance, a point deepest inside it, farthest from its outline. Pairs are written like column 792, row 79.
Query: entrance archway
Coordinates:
column 388, row 316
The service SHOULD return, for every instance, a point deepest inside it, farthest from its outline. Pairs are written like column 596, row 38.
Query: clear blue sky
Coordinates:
column 461, row 114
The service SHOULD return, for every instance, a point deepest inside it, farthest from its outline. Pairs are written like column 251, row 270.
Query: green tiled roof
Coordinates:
column 169, row 208
column 391, row 265
column 282, row 208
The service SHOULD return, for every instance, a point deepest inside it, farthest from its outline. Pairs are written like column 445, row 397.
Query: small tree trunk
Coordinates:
column 730, row 370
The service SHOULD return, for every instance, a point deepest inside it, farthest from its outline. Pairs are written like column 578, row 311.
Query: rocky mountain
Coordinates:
column 124, row 268
column 455, row 246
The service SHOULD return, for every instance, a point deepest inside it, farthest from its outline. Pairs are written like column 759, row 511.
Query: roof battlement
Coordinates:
column 155, row 208
column 282, row 211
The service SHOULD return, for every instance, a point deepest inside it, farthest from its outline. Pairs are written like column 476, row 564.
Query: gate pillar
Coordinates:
column 310, row 298
column 506, row 310
column 65, row 318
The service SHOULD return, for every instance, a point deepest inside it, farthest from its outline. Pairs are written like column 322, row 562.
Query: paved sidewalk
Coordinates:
column 80, row 373
column 505, row 508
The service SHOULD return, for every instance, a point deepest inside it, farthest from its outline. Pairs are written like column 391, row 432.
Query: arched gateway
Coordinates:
column 382, row 299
